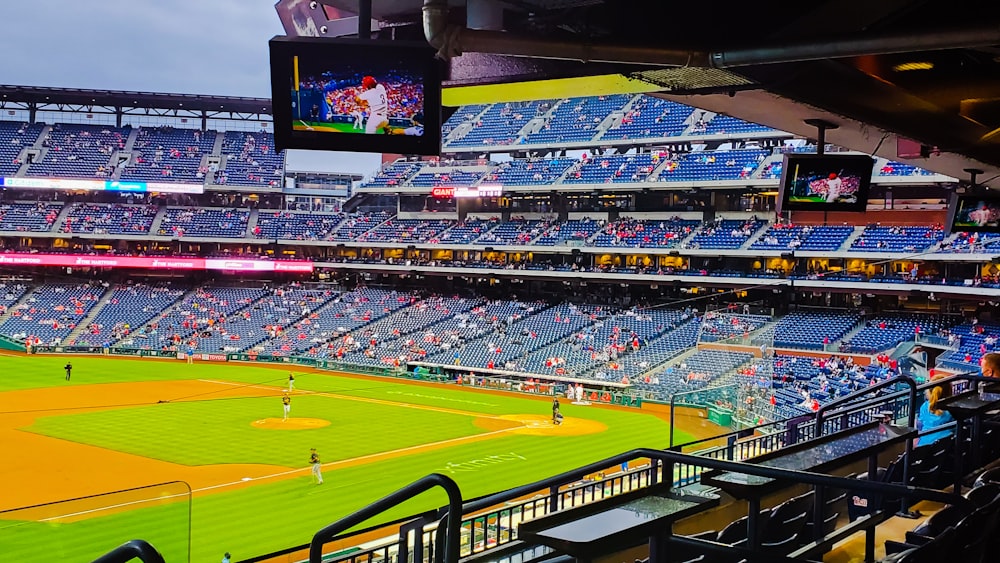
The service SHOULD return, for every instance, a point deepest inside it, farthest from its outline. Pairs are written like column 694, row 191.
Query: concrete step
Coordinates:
column 86, row 321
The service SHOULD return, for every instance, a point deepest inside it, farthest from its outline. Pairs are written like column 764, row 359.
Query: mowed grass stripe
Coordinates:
column 221, row 431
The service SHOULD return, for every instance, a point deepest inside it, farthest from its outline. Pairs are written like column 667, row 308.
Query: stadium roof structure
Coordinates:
column 44, row 98
column 883, row 73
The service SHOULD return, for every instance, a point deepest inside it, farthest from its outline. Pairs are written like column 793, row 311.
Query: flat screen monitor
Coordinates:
column 975, row 213
column 826, row 182
column 355, row 96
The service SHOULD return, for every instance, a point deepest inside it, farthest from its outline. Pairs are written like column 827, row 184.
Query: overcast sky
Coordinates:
column 175, row 46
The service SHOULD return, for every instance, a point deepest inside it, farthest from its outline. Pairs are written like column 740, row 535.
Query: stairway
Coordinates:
column 251, row 223
column 156, row 319
column 86, row 321
column 219, row 143
column 41, row 137
column 60, row 221
column 763, row 164
column 755, row 237
column 692, row 121
column 850, row 240
column 10, row 309
column 154, row 228
column 835, row 345
column 130, row 142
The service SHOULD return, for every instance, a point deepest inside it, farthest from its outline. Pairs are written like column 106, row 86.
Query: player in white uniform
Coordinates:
column 833, row 186
column 416, row 128
column 378, row 104
column 359, row 119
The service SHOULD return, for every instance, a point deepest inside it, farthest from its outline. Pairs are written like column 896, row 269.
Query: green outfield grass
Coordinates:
column 323, row 126
column 277, row 514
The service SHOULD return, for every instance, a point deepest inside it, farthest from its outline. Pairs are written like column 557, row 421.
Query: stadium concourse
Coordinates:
column 624, row 243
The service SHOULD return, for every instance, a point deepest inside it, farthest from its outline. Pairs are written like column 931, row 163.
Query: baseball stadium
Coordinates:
column 604, row 325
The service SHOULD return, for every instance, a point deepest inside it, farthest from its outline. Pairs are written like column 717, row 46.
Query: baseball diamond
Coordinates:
column 126, row 424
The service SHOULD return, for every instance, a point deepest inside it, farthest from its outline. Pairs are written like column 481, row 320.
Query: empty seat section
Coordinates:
column 515, row 232
column 725, row 234
column 28, row 217
column 205, row 222
column 431, row 178
column 393, row 174
column 126, row 312
column 522, row 172
column 180, row 326
column 15, row 137
column 728, row 125
column 568, row 232
column 877, row 238
column 165, row 154
column 885, row 331
column 51, row 312
column 109, row 219
column 408, row 230
column 608, row 169
column 808, row 330
column 79, row 151
column 250, row 160
column 803, row 237
column 650, row 117
column 712, row 165
column 638, row 233
column 288, row 225
column 501, row 123
column 577, row 119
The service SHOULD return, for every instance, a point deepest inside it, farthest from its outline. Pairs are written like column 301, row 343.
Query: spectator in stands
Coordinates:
column 990, row 365
column 930, row 416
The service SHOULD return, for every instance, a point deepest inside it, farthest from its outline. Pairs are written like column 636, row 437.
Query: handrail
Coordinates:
column 131, row 550
column 330, row 532
column 911, row 416
column 672, row 457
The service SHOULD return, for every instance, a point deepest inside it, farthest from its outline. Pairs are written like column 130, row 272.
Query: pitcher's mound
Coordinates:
column 290, row 424
column 541, row 425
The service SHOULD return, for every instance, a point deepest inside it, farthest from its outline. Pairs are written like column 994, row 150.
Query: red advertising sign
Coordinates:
column 155, row 263
column 443, row 192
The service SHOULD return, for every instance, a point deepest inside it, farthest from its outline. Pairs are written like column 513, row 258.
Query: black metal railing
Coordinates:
column 504, row 530
column 902, row 379
column 448, row 535
column 135, row 549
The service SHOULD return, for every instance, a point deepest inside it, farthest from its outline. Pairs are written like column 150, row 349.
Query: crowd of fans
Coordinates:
column 405, row 94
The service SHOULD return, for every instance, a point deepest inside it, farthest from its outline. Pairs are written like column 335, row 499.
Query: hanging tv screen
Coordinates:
column 826, row 182
column 975, row 213
column 355, row 96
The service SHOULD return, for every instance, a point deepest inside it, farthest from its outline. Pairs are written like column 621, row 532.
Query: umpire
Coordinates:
column 69, row 370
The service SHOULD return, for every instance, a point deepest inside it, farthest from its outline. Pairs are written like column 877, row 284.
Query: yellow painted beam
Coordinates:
column 603, row 85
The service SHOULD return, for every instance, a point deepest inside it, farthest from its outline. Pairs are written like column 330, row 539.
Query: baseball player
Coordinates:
column 286, row 404
column 415, row 130
column 291, row 382
column 317, row 466
column 359, row 119
column 375, row 97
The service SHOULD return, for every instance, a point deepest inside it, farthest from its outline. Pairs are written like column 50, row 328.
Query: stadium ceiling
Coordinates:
column 926, row 70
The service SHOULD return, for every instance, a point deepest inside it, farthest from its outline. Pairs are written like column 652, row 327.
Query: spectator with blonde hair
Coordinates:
column 931, row 415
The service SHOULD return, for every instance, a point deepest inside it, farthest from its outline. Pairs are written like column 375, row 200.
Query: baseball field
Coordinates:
column 217, row 428
column 322, row 126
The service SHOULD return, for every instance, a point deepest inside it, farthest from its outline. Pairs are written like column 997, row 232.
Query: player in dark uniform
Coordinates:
column 69, row 370
column 317, row 466
column 556, row 415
